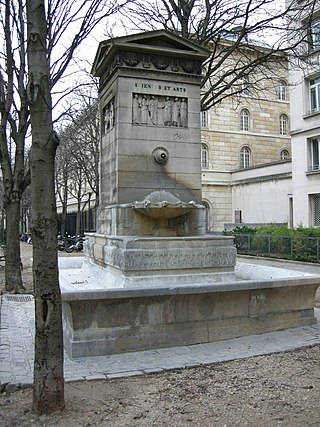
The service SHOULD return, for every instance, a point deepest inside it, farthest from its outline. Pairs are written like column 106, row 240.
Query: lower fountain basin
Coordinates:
column 100, row 321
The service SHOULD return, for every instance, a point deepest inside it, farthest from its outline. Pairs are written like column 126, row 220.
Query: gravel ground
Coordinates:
column 276, row 390
column 281, row 389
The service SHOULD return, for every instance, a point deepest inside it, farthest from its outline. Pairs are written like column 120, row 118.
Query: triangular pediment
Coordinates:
column 161, row 41
column 162, row 38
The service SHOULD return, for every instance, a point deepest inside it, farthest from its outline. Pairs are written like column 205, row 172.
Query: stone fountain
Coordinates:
column 151, row 223
column 152, row 277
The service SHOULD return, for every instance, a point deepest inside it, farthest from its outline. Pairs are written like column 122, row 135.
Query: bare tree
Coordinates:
column 70, row 178
column 246, row 37
column 78, row 193
column 13, row 130
column 47, row 24
column 81, row 137
column 63, row 18
column 86, row 140
column 2, row 214
column 48, row 367
column 25, row 210
column 62, row 174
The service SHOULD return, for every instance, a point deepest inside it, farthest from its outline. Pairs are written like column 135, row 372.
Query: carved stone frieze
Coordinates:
column 131, row 58
column 192, row 67
column 161, row 62
column 151, row 61
column 155, row 110
column 174, row 259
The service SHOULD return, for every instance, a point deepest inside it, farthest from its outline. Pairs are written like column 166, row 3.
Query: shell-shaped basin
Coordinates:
column 163, row 212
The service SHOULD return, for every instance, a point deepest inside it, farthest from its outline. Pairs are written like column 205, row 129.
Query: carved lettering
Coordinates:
column 165, row 88
column 170, row 260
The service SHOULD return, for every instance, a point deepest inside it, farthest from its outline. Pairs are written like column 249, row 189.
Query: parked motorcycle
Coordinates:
column 60, row 243
column 79, row 243
column 70, row 243
column 25, row 237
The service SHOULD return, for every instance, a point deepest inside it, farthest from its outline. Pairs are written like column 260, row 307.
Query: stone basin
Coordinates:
column 163, row 212
column 100, row 321
column 163, row 205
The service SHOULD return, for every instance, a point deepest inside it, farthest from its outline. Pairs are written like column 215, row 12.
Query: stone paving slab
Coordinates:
column 17, row 350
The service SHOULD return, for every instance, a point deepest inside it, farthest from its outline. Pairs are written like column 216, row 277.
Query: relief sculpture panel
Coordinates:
column 155, row 110
column 108, row 117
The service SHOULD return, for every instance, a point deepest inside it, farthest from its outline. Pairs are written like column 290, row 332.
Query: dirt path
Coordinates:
column 276, row 390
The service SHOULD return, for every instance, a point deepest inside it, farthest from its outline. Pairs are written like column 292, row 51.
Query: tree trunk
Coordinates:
column 63, row 220
column 78, row 220
column 13, row 270
column 48, row 389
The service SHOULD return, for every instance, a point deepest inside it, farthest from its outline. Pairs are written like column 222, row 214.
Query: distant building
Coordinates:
column 246, row 154
column 304, row 77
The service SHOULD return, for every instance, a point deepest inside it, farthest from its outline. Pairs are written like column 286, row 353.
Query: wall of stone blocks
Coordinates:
column 219, row 199
column 224, row 140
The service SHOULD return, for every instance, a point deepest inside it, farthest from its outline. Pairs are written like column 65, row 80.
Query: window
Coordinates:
column 283, row 124
column 282, row 90
column 245, row 157
column 244, row 119
column 244, row 84
column 315, row 95
column 315, row 34
column 284, row 155
column 204, row 119
column 314, row 151
column 315, row 209
column 204, row 156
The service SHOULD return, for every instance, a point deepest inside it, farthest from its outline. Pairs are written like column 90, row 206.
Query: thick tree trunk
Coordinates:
column 48, row 390
column 13, row 269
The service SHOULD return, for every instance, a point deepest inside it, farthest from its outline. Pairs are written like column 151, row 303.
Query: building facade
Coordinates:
column 304, row 76
column 246, row 156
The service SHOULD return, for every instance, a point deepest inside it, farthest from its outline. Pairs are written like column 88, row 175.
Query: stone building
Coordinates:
column 246, row 153
column 305, row 113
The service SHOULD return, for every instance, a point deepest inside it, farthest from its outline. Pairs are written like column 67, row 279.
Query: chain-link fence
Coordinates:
column 299, row 248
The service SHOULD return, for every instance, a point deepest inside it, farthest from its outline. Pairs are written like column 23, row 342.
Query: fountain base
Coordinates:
column 122, row 262
column 135, row 294
column 110, row 321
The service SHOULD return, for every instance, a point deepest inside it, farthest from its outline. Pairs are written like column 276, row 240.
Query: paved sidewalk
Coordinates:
column 17, row 350
column 17, row 344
